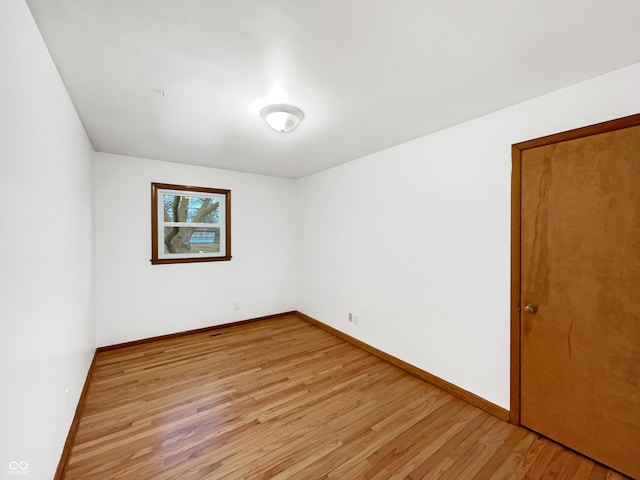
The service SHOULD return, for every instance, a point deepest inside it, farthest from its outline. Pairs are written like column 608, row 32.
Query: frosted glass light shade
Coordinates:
column 282, row 118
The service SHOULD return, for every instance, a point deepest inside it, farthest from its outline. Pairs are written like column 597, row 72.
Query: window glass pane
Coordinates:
column 191, row 208
column 190, row 224
column 191, row 240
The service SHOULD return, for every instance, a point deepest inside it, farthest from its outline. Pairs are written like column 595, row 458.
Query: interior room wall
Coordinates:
column 138, row 300
column 415, row 240
column 47, row 327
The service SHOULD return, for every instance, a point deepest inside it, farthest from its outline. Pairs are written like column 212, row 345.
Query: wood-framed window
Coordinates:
column 189, row 224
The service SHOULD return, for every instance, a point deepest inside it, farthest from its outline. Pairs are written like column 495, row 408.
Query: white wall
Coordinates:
column 415, row 239
column 138, row 300
column 47, row 334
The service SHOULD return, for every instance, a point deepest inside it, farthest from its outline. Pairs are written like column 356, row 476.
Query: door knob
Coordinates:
column 530, row 308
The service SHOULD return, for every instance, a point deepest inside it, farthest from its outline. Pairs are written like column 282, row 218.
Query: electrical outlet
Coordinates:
column 355, row 319
column 351, row 317
column 236, row 306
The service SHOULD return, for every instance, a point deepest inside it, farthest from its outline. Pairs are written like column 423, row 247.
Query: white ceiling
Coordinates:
column 368, row 74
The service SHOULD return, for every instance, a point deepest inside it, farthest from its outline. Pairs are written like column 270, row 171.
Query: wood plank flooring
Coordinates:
column 283, row 399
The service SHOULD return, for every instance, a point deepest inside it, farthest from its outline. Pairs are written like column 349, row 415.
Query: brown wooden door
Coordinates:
column 580, row 271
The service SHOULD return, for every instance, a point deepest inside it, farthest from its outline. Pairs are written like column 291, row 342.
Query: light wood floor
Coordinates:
column 282, row 399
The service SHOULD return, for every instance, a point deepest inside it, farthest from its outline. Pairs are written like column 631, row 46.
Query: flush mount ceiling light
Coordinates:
column 282, row 118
